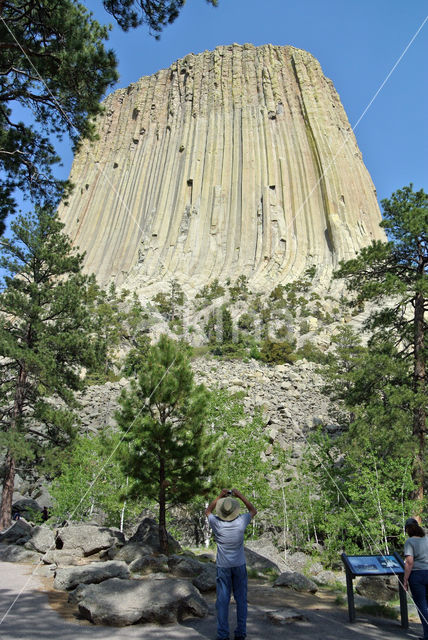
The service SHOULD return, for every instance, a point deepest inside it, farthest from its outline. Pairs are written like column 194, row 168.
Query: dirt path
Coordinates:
column 31, row 610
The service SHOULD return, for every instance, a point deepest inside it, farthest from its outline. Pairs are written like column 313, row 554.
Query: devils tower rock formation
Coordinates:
column 234, row 161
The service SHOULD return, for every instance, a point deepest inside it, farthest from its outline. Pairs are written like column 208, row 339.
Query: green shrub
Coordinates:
column 246, row 322
column 239, row 291
column 311, row 352
column 169, row 303
column 277, row 352
column 208, row 293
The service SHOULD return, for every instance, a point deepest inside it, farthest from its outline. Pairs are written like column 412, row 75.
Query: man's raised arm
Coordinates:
column 251, row 508
column 211, row 506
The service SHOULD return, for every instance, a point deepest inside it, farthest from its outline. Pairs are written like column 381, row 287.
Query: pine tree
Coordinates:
column 54, row 66
column 167, row 449
column 45, row 339
column 394, row 275
column 155, row 13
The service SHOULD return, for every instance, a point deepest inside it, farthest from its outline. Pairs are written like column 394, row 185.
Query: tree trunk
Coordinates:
column 419, row 412
column 7, row 496
column 9, row 478
column 163, row 536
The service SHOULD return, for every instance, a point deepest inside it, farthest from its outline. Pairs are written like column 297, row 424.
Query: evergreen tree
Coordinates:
column 394, row 275
column 167, row 449
column 155, row 13
column 170, row 303
column 53, row 64
column 45, row 339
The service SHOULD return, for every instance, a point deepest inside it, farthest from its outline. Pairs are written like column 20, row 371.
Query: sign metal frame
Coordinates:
column 375, row 565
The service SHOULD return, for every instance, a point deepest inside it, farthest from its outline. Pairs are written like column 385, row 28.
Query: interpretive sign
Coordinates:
column 375, row 566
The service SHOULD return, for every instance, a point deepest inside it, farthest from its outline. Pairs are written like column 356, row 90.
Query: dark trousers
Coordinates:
column 418, row 583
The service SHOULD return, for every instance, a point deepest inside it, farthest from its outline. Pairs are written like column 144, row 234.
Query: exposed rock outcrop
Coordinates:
column 296, row 581
column 87, row 539
column 122, row 602
column 378, row 588
column 70, row 577
column 147, row 535
column 42, row 539
column 235, row 161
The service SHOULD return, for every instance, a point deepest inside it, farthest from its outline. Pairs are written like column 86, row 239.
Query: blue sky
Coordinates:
column 357, row 42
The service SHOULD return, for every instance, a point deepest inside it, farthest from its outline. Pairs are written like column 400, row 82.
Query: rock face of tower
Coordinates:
column 235, row 161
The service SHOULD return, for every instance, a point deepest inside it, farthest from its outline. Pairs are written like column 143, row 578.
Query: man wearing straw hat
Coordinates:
column 228, row 527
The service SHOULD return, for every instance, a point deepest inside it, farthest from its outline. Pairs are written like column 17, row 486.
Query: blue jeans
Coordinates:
column 418, row 582
column 228, row 579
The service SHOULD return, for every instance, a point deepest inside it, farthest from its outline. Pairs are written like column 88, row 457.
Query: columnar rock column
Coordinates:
column 235, row 161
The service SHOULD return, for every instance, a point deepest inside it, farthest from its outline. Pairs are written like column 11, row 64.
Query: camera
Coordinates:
column 229, row 493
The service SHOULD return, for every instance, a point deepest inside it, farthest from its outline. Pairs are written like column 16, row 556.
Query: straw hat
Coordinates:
column 227, row 508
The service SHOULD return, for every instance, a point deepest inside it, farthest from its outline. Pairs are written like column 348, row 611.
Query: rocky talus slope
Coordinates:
column 235, row 161
column 289, row 396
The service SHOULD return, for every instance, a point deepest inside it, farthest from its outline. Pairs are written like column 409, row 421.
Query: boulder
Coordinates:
column 259, row 562
column 42, row 539
column 185, row 566
column 69, row 577
column 329, row 577
column 131, row 551
column 379, row 588
column 361, row 602
column 76, row 595
column 87, row 539
column 150, row 564
column 15, row 553
column 61, row 558
column 265, row 547
column 298, row 561
column 296, row 581
column 122, row 602
column 19, row 530
column 148, row 534
column 206, row 580
column 27, row 508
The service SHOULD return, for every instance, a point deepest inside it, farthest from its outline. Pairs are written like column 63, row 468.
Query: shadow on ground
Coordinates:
column 35, row 612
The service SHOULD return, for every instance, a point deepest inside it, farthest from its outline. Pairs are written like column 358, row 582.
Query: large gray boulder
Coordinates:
column 259, row 562
column 379, row 588
column 299, row 561
column 329, row 577
column 19, row 531
column 42, row 539
column 296, row 581
column 27, row 508
column 122, row 602
column 87, row 539
column 147, row 534
column 185, row 566
column 61, row 558
column 150, row 564
column 206, row 580
column 265, row 547
column 131, row 551
column 69, row 577
column 17, row 553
